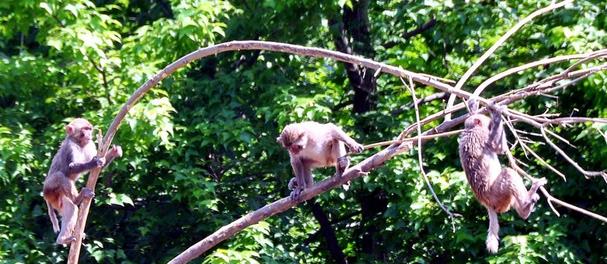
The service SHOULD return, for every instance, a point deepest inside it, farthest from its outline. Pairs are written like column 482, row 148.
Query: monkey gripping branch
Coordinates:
column 402, row 144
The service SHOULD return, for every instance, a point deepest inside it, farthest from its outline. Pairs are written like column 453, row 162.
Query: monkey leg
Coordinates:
column 69, row 214
column 492, row 242
column 524, row 201
column 52, row 216
column 342, row 165
column 342, row 136
column 342, row 161
column 53, row 192
column 307, row 175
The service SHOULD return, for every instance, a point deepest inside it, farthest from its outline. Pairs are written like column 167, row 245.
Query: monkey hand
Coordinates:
column 537, row 183
column 115, row 151
column 296, row 194
column 355, row 147
column 87, row 192
column 498, row 109
column 99, row 162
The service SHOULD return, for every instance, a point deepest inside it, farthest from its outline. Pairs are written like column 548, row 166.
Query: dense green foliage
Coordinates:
column 200, row 149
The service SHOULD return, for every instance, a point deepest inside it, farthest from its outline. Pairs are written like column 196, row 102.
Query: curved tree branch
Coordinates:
column 284, row 204
column 213, row 50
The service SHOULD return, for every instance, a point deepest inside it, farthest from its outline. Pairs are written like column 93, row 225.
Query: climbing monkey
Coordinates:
column 76, row 155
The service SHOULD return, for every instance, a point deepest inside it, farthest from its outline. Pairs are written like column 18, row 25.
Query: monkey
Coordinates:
column 315, row 145
column 76, row 155
column 495, row 187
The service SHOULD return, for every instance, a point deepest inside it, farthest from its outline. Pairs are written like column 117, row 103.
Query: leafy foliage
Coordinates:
column 200, row 150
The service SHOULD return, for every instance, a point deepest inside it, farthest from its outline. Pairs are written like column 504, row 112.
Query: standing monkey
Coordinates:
column 76, row 155
column 495, row 187
column 314, row 145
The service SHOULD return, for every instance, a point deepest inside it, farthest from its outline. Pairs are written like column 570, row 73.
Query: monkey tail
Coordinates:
column 492, row 236
column 53, row 217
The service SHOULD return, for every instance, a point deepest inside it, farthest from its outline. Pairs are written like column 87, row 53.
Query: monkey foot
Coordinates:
column 535, row 197
column 65, row 240
column 540, row 182
column 342, row 164
column 292, row 184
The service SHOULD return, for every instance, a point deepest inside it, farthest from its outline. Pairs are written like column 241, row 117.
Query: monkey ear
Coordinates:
column 69, row 129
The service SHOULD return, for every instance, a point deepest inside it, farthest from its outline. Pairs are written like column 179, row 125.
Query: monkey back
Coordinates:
column 472, row 150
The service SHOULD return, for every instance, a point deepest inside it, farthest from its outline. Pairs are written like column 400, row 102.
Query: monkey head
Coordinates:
column 80, row 131
column 293, row 138
column 478, row 121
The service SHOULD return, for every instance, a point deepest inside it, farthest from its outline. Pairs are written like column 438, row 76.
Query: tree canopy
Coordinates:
column 200, row 149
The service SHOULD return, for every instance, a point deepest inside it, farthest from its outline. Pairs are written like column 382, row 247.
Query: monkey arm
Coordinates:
column 497, row 137
column 74, row 168
column 298, row 170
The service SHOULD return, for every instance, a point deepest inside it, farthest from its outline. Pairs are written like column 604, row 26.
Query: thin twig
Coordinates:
column 424, row 137
column 497, row 44
column 419, row 151
column 517, row 138
column 586, row 173
column 425, row 79
column 523, row 67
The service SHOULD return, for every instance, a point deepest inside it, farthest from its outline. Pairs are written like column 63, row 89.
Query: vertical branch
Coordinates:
column 84, row 208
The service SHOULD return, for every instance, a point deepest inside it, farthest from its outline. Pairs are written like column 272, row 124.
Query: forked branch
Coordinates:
column 401, row 145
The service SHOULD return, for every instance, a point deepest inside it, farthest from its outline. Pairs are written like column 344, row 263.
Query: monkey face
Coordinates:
column 294, row 146
column 292, row 140
column 80, row 130
column 477, row 120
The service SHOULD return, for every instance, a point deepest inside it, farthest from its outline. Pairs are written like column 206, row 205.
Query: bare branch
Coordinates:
column 570, row 160
column 429, row 98
column 423, row 137
column 497, row 44
column 521, row 68
column 214, row 50
column 550, row 199
column 542, row 161
column 411, row 89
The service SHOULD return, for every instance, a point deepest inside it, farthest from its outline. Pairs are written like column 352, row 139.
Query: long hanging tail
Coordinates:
column 492, row 236
column 53, row 217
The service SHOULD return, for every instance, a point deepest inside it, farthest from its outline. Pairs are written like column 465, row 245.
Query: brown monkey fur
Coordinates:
column 314, row 145
column 76, row 155
column 495, row 187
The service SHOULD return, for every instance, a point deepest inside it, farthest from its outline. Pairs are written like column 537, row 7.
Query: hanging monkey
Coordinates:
column 495, row 187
